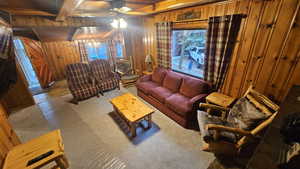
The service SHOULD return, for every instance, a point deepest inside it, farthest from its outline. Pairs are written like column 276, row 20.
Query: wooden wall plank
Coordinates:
column 59, row 54
column 270, row 15
column 8, row 137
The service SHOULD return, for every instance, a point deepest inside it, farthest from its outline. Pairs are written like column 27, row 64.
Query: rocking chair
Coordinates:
column 238, row 126
column 126, row 72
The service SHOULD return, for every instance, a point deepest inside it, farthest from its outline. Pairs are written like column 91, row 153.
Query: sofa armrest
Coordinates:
column 198, row 98
column 145, row 78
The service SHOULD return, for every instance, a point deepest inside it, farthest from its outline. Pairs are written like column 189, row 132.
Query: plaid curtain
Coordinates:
column 112, row 53
column 163, row 31
column 82, row 50
column 221, row 37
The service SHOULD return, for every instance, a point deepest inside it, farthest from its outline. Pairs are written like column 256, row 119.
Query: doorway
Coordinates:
column 27, row 68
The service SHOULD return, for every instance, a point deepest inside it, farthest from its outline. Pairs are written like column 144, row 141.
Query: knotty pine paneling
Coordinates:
column 149, row 38
column 18, row 96
column 267, row 51
column 8, row 137
column 59, row 54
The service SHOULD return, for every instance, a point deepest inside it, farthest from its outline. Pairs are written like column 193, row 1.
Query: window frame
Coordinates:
column 183, row 29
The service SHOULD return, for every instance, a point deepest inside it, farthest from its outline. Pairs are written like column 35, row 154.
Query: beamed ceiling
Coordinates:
column 60, row 10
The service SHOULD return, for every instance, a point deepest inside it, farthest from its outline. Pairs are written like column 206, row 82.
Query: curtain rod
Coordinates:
column 195, row 20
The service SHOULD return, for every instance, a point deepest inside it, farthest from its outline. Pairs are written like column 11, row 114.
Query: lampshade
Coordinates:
column 148, row 59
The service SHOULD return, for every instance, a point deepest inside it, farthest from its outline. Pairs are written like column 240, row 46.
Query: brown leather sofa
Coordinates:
column 174, row 94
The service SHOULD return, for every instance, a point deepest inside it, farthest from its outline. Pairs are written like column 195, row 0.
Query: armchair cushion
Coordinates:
column 245, row 115
column 204, row 119
column 172, row 81
column 158, row 75
column 191, row 87
column 160, row 93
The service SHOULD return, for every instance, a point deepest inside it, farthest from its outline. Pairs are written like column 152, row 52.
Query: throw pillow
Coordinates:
column 158, row 75
column 245, row 115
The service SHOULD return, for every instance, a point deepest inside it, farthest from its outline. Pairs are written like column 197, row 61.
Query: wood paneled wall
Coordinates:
column 133, row 37
column 59, row 54
column 18, row 96
column 268, row 49
column 149, row 38
column 8, row 137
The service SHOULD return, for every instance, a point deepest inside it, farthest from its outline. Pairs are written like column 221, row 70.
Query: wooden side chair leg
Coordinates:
column 64, row 158
column 61, row 163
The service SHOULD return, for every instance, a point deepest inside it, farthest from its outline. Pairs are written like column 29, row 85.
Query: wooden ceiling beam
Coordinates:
column 36, row 34
column 140, row 2
column 43, row 21
column 67, row 9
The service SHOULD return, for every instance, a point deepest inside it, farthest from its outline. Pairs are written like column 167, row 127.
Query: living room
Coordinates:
column 118, row 84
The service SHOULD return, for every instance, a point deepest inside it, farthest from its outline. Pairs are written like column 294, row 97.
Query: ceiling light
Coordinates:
column 125, row 9
column 119, row 23
column 123, row 23
column 115, row 24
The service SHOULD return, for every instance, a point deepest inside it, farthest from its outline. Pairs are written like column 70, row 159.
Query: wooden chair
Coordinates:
column 220, row 146
column 37, row 153
column 127, row 74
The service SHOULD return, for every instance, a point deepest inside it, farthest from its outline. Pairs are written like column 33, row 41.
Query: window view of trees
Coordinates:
column 188, row 51
column 119, row 49
column 97, row 50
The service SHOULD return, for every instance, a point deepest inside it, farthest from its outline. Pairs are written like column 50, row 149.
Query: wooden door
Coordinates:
column 36, row 55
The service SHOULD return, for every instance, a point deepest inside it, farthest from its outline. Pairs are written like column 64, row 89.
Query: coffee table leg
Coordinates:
column 133, row 129
column 149, row 119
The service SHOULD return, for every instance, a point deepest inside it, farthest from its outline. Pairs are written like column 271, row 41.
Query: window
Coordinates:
column 97, row 50
column 188, row 51
column 119, row 49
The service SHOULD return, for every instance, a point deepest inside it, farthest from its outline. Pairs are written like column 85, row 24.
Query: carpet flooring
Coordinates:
column 95, row 138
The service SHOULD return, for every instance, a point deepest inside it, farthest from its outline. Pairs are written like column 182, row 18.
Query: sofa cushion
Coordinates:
column 179, row 103
column 191, row 87
column 160, row 93
column 146, row 86
column 245, row 115
column 158, row 75
column 172, row 81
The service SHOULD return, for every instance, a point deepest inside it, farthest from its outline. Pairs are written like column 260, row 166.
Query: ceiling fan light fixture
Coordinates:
column 123, row 23
column 115, row 23
column 125, row 9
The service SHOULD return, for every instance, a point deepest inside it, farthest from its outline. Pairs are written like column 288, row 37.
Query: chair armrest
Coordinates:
column 116, row 75
column 214, row 107
column 145, row 78
column 229, row 129
column 120, row 73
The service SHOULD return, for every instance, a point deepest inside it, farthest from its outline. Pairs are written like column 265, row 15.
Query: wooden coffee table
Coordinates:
column 132, row 110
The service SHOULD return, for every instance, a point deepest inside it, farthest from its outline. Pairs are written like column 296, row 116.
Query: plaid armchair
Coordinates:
column 80, row 82
column 105, row 78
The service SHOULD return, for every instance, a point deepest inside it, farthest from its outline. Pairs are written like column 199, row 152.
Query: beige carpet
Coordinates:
column 95, row 138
